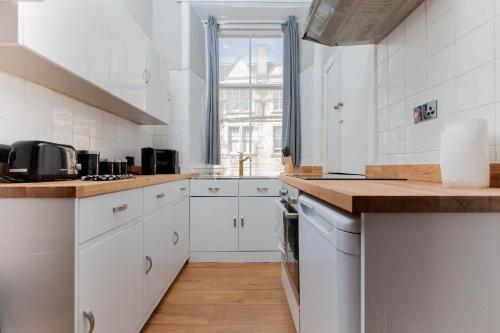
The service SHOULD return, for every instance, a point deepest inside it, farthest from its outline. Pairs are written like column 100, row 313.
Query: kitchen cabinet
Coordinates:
column 110, row 282
column 91, row 50
column 159, row 259
column 257, row 224
column 214, row 224
column 349, row 106
column 180, row 234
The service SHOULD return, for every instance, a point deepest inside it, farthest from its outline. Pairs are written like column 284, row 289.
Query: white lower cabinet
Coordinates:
column 214, row 224
column 126, row 266
column 110, row 282
column 257, row 224
column 159, row 258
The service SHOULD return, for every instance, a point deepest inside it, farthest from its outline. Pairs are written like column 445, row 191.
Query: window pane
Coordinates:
column 277, row 139
column 234, row 61
column 267, row 61
column 267, row 102
column 267, row 160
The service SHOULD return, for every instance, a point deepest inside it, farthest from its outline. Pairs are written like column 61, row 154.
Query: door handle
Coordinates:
column 91, row 319
column 242, row 221
column 175, row 238
column 120, row 208
column 262, row 189
column 160, row 195
column 235, row 222
column 150, row 262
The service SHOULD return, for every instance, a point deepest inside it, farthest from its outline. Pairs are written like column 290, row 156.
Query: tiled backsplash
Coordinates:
column 32, row 112
column 447, row 50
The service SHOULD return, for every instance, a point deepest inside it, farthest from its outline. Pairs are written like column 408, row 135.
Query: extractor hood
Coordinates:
column 353, row 22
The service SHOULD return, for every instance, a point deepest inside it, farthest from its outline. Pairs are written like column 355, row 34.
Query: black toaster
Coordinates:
column 42, row 161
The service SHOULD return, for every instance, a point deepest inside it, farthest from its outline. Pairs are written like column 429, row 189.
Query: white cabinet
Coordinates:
column 257, row 224
column 159, row 260
column 350, row 104
column 180, row 233
column 110, row 282
column 214, row 224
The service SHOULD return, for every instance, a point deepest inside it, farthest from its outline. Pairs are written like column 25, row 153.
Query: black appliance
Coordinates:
column 117, row 167
column 42, row 161
column 167, row 161
column 89, row 161
column 148, row 161
column 106, row 167
column 4, row 159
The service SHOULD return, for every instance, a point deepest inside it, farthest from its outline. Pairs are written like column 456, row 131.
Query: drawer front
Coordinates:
column 102, row 213
column 259, row 187
column 214, row 188
column 157, row 196
column 180, row 188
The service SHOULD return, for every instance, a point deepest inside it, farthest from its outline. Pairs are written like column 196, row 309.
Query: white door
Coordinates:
column 358, row 66
column 333, row 95
column 110, row 282
column 159, row 259
column 257, row 224
column 214, row 223
column 180, row 234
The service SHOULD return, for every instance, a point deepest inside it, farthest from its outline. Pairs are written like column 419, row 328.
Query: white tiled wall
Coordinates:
column 447, row 50
column 31, row 112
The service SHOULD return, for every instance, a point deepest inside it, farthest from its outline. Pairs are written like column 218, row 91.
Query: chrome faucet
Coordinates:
column 242, row 160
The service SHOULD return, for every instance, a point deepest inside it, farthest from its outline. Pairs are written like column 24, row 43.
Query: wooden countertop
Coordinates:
column 395, row 196
column 83, row 189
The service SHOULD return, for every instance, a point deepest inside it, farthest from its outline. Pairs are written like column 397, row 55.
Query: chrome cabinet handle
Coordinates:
column 183, row 188
column 242, row 221
column 91, row 319
column 235, row 222
column 262, row 189
column 214, row 189
column 160, row 195
column 150, row 262
column 120, row 208
column 175, row 238
column 146, row 75
column 283, row 192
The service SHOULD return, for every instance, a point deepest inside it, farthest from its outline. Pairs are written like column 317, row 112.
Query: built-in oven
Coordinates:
column 287, row 232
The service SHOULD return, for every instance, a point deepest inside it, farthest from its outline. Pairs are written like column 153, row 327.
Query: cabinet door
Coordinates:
column 257, row 224
column 110, row 282
column 159, row 262
column 333, row 96
column 180, row 234
column 358, row 86
column 214, row 224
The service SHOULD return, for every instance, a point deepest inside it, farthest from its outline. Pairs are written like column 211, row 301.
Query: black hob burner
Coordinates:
column 105, row 178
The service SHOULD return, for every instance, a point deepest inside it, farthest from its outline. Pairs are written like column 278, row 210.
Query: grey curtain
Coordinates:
column 212, row 139
column 291, row 134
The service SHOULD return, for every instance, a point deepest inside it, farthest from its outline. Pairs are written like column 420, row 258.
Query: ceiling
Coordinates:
column 251, row 10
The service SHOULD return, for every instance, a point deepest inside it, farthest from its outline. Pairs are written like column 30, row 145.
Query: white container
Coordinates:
column 464, row 154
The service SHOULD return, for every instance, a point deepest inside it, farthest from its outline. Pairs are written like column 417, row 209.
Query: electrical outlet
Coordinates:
column 425, row 111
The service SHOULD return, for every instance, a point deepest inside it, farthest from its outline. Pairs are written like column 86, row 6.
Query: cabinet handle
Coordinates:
column 150, row 262
column 183, row 188
column 214, row 189
column 160, row 195
column 91, row 319
column 235, row 222
column 341, row 121
column 283, row 192
column 120, row 208
column 175, row 238
column 262, row 189
column 146, row 75
column 242, row 221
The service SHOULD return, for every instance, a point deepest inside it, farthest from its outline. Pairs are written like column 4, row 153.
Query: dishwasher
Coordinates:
column 330, row 274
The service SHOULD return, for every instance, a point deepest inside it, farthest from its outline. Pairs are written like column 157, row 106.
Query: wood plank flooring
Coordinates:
column 224, row 298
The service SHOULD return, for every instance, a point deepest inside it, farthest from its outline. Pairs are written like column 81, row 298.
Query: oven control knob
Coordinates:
column 283, row 191
column 293, row 200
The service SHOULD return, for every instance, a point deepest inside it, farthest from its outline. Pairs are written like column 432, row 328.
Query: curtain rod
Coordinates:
column 247, row 22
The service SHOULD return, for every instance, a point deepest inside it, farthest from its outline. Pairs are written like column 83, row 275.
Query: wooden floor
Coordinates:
column 224, row 298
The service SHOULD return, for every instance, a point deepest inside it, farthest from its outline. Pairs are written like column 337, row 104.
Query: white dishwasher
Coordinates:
column 330, row 269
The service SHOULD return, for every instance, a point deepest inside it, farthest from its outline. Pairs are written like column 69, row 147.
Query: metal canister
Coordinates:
column 106, row 167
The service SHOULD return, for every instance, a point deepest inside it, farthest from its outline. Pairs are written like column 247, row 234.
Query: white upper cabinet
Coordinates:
column 92, row 50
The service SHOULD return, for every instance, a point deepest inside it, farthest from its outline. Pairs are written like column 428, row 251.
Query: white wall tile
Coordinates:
column 382, row 120
column 396, row 90
column 39, row 105
column 382, row 96
column 415, row 37
column 417, row 158
column 63, row 113
column 395, row 41
column 396, row 115
column 476, row 88
column 445, row 95
column 81, row 118
column 441, row 33
column 396, row 64
column 415, row 80
column 475, row 48
column 437, row 8
column 485, row 112
column 12, row 97
column 382, row 51
column 471, row 14
column 441, row 66
column 382, row 73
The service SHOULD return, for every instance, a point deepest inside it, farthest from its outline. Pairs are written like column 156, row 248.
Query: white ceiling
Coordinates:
column 241, row 10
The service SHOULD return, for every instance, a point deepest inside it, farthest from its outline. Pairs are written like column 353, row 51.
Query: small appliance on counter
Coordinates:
column 148, row 159
column 106, row 167
column 89, row 161
column 4, row 159
column 42, row 161
column 167, row 161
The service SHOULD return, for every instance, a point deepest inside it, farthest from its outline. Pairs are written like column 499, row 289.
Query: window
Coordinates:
column 251, row 103
column 234, row 139
column 277, row 139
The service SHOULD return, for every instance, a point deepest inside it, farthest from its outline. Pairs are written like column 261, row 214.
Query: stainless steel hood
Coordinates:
column 353, row 22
